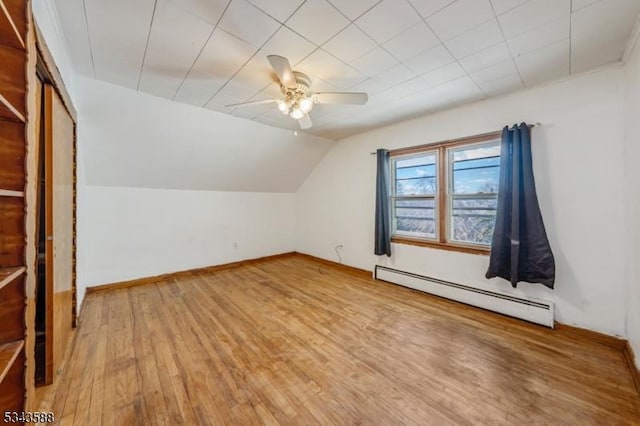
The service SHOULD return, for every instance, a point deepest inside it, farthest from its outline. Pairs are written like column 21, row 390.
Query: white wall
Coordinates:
column 578, row 165
column 127, row 233
column 165, row 187
column 632, row 179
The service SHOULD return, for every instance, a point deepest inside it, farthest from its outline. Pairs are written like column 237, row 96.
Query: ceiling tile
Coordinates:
column 430, row 60
column 485, row 58
column 352, row 9
column 591, row 51
column 288, row 44
column 475, row 40
column 579, row 4
column 177, row 34
column 388, row 19
column 322, row 65
column 426, row 8
column 118, row 55
column 502, row 6
column 536, row 13
column 117, row 62
column 499, row 86
column 405, row 89
column 176, row 39
column 395, row 75
column 370, row 86
column 494, row 72
column 72, row 18
column 280, row 10
column 600, row 32
column 411, row 42
column 219, row 102
column 239, row 14
column 134, row 21
column 547, row 63
column 459, row 17
column 257, row 73
column 461, row 90
column 160, row 77
column 198, row 88
column 317, row 21
column 604, row 16
column 374, row 62
column 222, row 56
column 239, row 89
column 209, row 10
column 349, row 44
column 453, row 71
column 544, row 35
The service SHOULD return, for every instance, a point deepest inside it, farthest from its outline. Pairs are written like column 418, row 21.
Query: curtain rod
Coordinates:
column 530, row 126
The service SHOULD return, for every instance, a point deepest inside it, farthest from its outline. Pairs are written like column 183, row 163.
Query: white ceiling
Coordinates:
column 412, row 56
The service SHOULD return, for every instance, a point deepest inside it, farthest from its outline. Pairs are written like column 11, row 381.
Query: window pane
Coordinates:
column 476, row 170
column 473, row 219
column 415, row 217
column 416, row 176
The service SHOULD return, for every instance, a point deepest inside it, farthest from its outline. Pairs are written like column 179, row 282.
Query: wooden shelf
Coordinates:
column 9, row 32
column 10, row 112
column 8, row 193
column 9, row 352
column 9, row 274
column 13, row 83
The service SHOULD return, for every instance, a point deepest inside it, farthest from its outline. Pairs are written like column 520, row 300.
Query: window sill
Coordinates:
column 449, row 247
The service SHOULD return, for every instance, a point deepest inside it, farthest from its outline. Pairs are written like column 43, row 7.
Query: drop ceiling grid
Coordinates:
column 398, row 50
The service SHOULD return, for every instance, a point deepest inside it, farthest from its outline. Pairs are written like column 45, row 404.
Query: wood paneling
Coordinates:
column 12, row 326
column 17, row 9
column 12, row 156
column 291, row 342
column 15, row 51
column 11, row 35
column 11, row 231
column 9, row 353
column 13, row 83
column 8, row 275
column 12, row 386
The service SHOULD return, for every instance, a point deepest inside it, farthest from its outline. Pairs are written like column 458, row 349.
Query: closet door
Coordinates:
column 59, row 138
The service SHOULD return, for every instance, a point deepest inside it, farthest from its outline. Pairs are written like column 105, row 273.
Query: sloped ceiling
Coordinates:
column 133, row 139
column 411, row 56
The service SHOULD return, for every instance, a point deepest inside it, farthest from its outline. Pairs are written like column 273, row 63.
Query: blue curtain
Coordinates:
column 520, row 250
column 383, row 211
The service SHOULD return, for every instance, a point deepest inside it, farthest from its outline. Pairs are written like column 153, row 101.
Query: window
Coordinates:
column 446, row 194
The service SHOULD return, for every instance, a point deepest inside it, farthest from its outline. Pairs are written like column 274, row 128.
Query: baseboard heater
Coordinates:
column 533, row 310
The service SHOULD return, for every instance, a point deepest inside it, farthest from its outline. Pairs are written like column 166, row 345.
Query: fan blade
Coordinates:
column 244, row 104
column 305, row 122
column 283, row 69
column 342, row 98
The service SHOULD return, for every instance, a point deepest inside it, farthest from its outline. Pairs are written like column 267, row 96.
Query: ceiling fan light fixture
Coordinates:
column 283, row 107
column 297, row 113
column 306, row 104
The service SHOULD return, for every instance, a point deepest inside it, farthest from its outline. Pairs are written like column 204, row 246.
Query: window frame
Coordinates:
column 443, row 197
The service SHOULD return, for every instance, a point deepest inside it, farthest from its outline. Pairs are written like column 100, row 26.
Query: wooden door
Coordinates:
column 59, row 169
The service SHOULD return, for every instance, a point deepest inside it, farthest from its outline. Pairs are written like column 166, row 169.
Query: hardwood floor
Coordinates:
column 293, row 341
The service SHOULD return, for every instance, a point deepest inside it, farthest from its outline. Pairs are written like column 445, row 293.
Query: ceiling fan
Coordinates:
column 298, row 99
